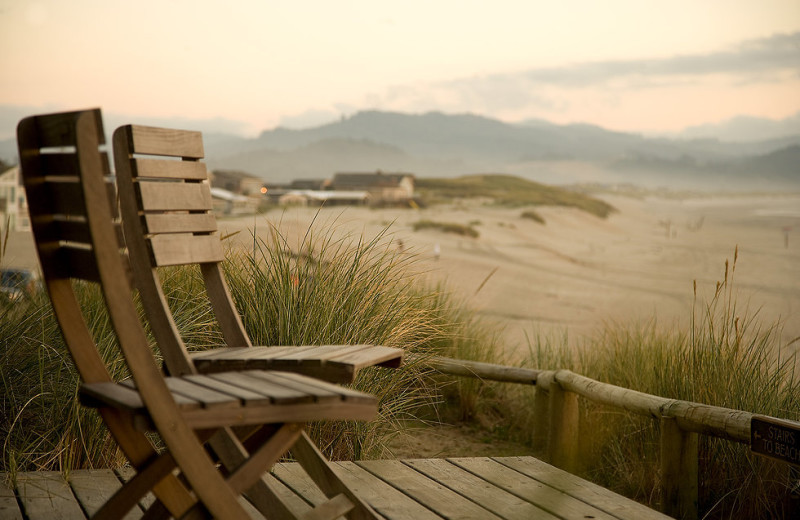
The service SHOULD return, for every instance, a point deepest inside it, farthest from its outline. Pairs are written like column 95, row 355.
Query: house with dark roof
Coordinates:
column 238, row 182
column 383, row 188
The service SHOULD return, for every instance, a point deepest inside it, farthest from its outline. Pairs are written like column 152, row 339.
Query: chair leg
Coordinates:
column 320, row 471
column 127, row 497
column 139, row 451
column 268, row 454
column 232, row 454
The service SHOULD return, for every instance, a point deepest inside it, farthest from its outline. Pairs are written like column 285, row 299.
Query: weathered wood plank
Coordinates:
column 346, row 394
column 440, row 499
column 386, row 500
column 94, row 487
column 551, row 499
column 169, row 169
column 319, row 353
column 369, row 355
column 205, row 396
column 45, row 495
column 489, row 496
column 278, row 393
column 183, row 401
column 247, row 397
column 9, row 509
column 179, row 223
column 589, row 492
column 163, row 141
column 59, row 129
column 174, row 196
column 66, row 164
column 179, row 249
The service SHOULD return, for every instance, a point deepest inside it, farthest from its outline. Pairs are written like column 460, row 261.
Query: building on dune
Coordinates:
column 383, row 188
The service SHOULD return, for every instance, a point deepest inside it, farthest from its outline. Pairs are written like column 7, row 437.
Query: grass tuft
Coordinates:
column 447, row 227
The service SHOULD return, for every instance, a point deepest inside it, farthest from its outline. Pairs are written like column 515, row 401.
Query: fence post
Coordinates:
column 563, row 434
column 679, row 485
column 541, row 413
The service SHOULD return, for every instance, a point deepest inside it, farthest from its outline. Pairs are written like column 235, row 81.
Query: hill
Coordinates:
column 441, row 145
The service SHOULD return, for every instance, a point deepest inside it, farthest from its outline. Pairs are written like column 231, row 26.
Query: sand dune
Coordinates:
column 578, row 271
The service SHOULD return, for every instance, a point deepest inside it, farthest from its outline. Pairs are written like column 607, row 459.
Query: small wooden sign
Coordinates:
column 776, row 438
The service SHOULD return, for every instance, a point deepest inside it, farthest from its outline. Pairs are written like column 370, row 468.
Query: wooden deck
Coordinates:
column 417, row 489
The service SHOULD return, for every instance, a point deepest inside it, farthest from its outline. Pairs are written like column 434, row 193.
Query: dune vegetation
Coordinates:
column 507, row 190
column 323, row 290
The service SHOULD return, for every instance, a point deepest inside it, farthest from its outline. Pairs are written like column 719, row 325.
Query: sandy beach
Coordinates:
column 577, row 271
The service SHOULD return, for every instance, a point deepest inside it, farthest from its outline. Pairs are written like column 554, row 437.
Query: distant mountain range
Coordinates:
column 436, row 144
column 441, row 145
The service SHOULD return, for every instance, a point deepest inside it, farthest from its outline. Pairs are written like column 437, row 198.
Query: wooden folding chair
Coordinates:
column 78, row 239
column 168, row 220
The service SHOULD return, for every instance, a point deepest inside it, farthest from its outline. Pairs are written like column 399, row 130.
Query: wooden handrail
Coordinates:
column 725, row 423
column 557, row 421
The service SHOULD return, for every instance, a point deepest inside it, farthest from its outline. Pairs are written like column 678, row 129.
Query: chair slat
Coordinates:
column 321, row 393
column 110, row 394
column 318, row 386
column 59, row 129
column 66, row 198
column 179, row 223
column 248, row 397
column 278, row 393
column 174, row 196
column 166, row 169
column 72, row 231
column 204, row 396
column 321, row 352
column 72, row 262
column 66, row 164
column 183, row 401
column 370, row 355
column 185, row 249
column 163, row 141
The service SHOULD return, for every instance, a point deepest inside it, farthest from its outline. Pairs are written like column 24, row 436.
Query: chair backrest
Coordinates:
column 167, row 213
column 72, row 204
column 55, row 150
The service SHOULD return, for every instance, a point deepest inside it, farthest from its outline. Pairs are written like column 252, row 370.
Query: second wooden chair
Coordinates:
column 168, row 220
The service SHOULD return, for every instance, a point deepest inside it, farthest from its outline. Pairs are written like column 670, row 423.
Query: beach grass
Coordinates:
column 728, row 357
column 320, row 290
column 508, row 190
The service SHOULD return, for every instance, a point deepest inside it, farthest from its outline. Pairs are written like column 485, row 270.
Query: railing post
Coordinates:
column 563, row 434
column 679, row 481
column 541, row 413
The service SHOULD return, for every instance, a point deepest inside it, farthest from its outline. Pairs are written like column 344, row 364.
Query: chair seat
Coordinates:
column 334, row 363
column 240, row 398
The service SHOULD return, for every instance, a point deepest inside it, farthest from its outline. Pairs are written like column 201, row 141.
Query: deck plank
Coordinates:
column 383, row 498
column 9, row 509
column 293, row 477
column 602, row 498
column 551, row 499
column 487, row 495
column 93, row 488
column 513, row 488
column 45, row 495
column 440, row 499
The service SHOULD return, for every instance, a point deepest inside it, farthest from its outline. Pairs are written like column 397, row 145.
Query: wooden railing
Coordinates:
column 556, row 422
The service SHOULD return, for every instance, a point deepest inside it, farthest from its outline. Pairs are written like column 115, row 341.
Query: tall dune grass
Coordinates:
column 727, row 358
column 319, row 291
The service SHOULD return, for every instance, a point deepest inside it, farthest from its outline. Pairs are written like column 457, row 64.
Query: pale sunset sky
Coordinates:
column 242, row 66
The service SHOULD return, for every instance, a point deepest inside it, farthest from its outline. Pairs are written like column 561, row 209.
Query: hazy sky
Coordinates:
column 243, row 66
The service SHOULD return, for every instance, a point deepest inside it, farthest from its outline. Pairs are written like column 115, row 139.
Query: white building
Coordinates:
column 13, row 202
